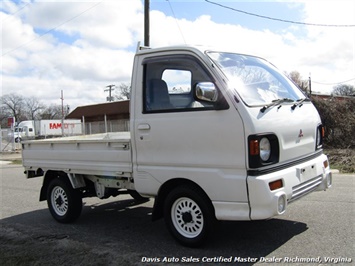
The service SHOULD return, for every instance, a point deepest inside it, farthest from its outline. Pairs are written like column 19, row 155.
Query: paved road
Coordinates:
column 317, row 227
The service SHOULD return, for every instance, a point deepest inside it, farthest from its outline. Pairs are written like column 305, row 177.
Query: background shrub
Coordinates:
column 338, row 118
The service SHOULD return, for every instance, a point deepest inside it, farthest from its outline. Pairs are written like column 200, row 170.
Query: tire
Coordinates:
column 64, row 203
column 189, row 216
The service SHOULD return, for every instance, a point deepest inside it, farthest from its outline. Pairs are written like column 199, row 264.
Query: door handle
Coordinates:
column 143, row 127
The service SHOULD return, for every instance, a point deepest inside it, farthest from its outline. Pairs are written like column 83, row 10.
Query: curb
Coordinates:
column 334, row 171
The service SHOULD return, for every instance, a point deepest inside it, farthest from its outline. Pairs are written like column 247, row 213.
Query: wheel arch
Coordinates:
column 164, row 190
column 48, row 176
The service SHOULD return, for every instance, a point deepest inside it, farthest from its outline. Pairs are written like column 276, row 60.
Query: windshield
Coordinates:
column 254, row 79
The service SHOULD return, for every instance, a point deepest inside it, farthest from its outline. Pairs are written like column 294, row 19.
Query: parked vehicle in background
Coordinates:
column 213, row 136
column 37, row 129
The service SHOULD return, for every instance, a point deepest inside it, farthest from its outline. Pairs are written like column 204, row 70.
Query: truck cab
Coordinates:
column 24, row 130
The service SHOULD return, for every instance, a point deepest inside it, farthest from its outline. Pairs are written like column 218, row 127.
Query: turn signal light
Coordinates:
column 254, row 147
column 325, row 164
column 275, row 185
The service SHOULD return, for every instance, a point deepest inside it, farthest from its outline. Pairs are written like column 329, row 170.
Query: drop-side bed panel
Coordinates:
column 100, row 154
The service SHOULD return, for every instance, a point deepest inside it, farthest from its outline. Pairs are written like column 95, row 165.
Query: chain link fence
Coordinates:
column 8, row 142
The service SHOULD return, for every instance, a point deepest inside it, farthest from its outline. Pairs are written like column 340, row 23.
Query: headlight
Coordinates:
column 319, row 137
column 265, row 149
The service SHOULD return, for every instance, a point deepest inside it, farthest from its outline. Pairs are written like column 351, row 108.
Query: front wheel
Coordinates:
column 64, row 203
column 189, row 216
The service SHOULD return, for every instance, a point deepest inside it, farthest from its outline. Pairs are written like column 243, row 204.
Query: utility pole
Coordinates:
column 146, row 23
column 62, row 98
column 310, row 85
column 110, row 88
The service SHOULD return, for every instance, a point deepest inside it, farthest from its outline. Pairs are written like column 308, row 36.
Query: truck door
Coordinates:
column 25, row 132
column 177, row 136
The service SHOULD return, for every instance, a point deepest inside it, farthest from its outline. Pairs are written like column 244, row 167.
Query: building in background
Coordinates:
column 103, row 117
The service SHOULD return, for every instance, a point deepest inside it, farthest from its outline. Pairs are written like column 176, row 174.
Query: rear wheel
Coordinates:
column 189, row 216
column 64, row 203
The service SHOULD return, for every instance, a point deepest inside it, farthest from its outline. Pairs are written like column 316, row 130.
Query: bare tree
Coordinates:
column 344, row 90
column 12, row 106
column 124, row 91
column 22, row 108
column 3, row 115
column 51, row 112
column 33, row 106
column 295, row 76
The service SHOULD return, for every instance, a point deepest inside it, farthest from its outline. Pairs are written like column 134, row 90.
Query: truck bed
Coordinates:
column 107, row 154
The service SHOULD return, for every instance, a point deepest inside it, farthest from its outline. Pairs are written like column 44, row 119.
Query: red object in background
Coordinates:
column 10, row 121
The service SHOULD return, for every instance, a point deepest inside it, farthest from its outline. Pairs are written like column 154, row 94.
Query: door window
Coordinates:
column 169, row 84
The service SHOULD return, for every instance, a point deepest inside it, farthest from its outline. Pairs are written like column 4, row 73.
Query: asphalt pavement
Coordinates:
column 8, row 156
column 316, row 230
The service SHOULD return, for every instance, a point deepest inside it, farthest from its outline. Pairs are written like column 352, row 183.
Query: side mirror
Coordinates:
column 206, row 91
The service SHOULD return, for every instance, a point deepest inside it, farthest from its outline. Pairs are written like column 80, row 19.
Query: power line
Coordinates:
column 172, row 11
column 277, row 19
column 50, row 30
column 18, row 10
column 335, row 83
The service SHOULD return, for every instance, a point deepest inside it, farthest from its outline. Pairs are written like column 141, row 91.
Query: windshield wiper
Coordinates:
column 275, row 102
column 300, row 103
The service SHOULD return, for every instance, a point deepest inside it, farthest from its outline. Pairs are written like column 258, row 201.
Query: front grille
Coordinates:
column 304, row 188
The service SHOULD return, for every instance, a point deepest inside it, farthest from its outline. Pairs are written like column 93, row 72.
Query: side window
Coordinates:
column 178, row 81
column 169, row 84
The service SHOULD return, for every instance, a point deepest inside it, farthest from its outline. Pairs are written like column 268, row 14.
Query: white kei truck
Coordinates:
column 213, row 136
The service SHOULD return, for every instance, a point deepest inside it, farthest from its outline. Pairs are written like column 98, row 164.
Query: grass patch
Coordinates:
column 19, row 161
column 341, row 159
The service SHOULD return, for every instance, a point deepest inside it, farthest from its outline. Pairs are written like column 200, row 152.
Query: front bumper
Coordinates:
column 297, row 181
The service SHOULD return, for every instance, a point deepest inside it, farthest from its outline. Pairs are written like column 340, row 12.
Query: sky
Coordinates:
column 80, row 47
